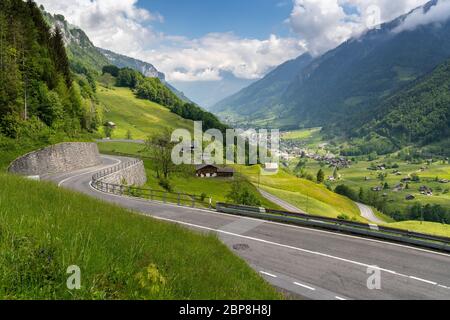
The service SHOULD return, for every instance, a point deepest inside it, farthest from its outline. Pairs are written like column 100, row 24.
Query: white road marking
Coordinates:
column 423, row 280
column 294, row 248
column 339, row 298
column 268, row 274
column 304, row 286
column 443, row 287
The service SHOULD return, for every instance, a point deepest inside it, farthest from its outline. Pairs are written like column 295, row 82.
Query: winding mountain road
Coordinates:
column 308, row 263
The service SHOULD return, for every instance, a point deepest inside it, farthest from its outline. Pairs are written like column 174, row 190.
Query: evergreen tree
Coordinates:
column 320, row 176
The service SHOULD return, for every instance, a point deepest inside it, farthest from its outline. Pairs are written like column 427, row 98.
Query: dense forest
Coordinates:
column 38, row 91
column 418, row 115
column 154, row 90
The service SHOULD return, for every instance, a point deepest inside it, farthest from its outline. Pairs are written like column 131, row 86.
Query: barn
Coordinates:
column 210, row 171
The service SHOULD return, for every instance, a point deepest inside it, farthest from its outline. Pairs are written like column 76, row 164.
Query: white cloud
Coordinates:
column 122, row 27
column 116, row 25
column 203, row 59
column 324, row 24
column 437, row 14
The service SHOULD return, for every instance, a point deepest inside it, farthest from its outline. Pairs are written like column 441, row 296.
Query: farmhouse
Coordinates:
column 209, row 171
column 377, row 189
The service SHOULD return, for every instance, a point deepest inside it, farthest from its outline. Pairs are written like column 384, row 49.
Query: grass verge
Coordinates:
column 122, row 255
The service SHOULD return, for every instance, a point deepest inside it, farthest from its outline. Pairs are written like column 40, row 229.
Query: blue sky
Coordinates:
column 246, row 18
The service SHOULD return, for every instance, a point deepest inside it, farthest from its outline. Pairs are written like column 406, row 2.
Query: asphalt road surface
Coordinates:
column 308, row 263
column 368, row 213
column 283, row 204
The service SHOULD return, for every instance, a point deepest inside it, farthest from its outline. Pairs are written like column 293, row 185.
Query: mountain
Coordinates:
column 352, row 79
column 122, row 61
column 208, row 93
column 255, row 100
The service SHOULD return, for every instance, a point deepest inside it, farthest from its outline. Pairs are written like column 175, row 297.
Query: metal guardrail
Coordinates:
column 181, row 199
column 189, row 200
column 368, row 230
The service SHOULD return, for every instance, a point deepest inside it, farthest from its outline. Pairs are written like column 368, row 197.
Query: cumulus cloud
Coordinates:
column 324, row 24
column 204, row 59
column 437, row 14
column 120, row 26
column 123, row 27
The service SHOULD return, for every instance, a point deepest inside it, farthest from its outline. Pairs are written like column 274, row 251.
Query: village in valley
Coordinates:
column 400, row 182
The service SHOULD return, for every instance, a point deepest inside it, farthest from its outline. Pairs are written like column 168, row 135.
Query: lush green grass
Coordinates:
column 432, row 228
column 143, row 118
column 306, row 195
column 122, row 255
column 185, row 181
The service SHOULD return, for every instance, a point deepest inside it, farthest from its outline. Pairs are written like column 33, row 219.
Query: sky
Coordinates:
column 200, row 40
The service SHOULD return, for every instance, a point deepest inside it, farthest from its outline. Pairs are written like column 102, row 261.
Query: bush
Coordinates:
column 165, row 184
column 347, row 192
column 343, row 217
column 240, row 194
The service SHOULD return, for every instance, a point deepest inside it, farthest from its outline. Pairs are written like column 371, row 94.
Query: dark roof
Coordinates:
column 219, row 169
column 202, row 166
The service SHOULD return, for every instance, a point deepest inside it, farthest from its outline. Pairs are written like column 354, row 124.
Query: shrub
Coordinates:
column 165, row 184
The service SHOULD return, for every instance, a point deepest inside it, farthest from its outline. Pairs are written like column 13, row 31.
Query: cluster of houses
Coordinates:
column 331, row 160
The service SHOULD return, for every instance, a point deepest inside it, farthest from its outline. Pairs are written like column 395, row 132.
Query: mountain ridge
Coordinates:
column 352, row 78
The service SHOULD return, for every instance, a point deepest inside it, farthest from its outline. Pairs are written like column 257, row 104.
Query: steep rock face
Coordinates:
column 80, row 50
column 122, row 61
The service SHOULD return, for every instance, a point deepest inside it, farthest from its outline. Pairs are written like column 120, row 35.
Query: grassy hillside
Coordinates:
column 122, row 255
column 306, row 195
column 141, row 117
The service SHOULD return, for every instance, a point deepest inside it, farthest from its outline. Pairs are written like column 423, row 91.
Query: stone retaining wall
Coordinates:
column 58, row 158
column 134, row 175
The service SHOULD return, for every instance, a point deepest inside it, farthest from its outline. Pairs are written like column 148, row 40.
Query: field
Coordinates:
column 307, row 136
column 185, row 181
column 359, row 176
column 141, row 117
column 121, row 255
column 306, row 195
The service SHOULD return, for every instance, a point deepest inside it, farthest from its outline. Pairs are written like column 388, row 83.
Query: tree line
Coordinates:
column 38, row 90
